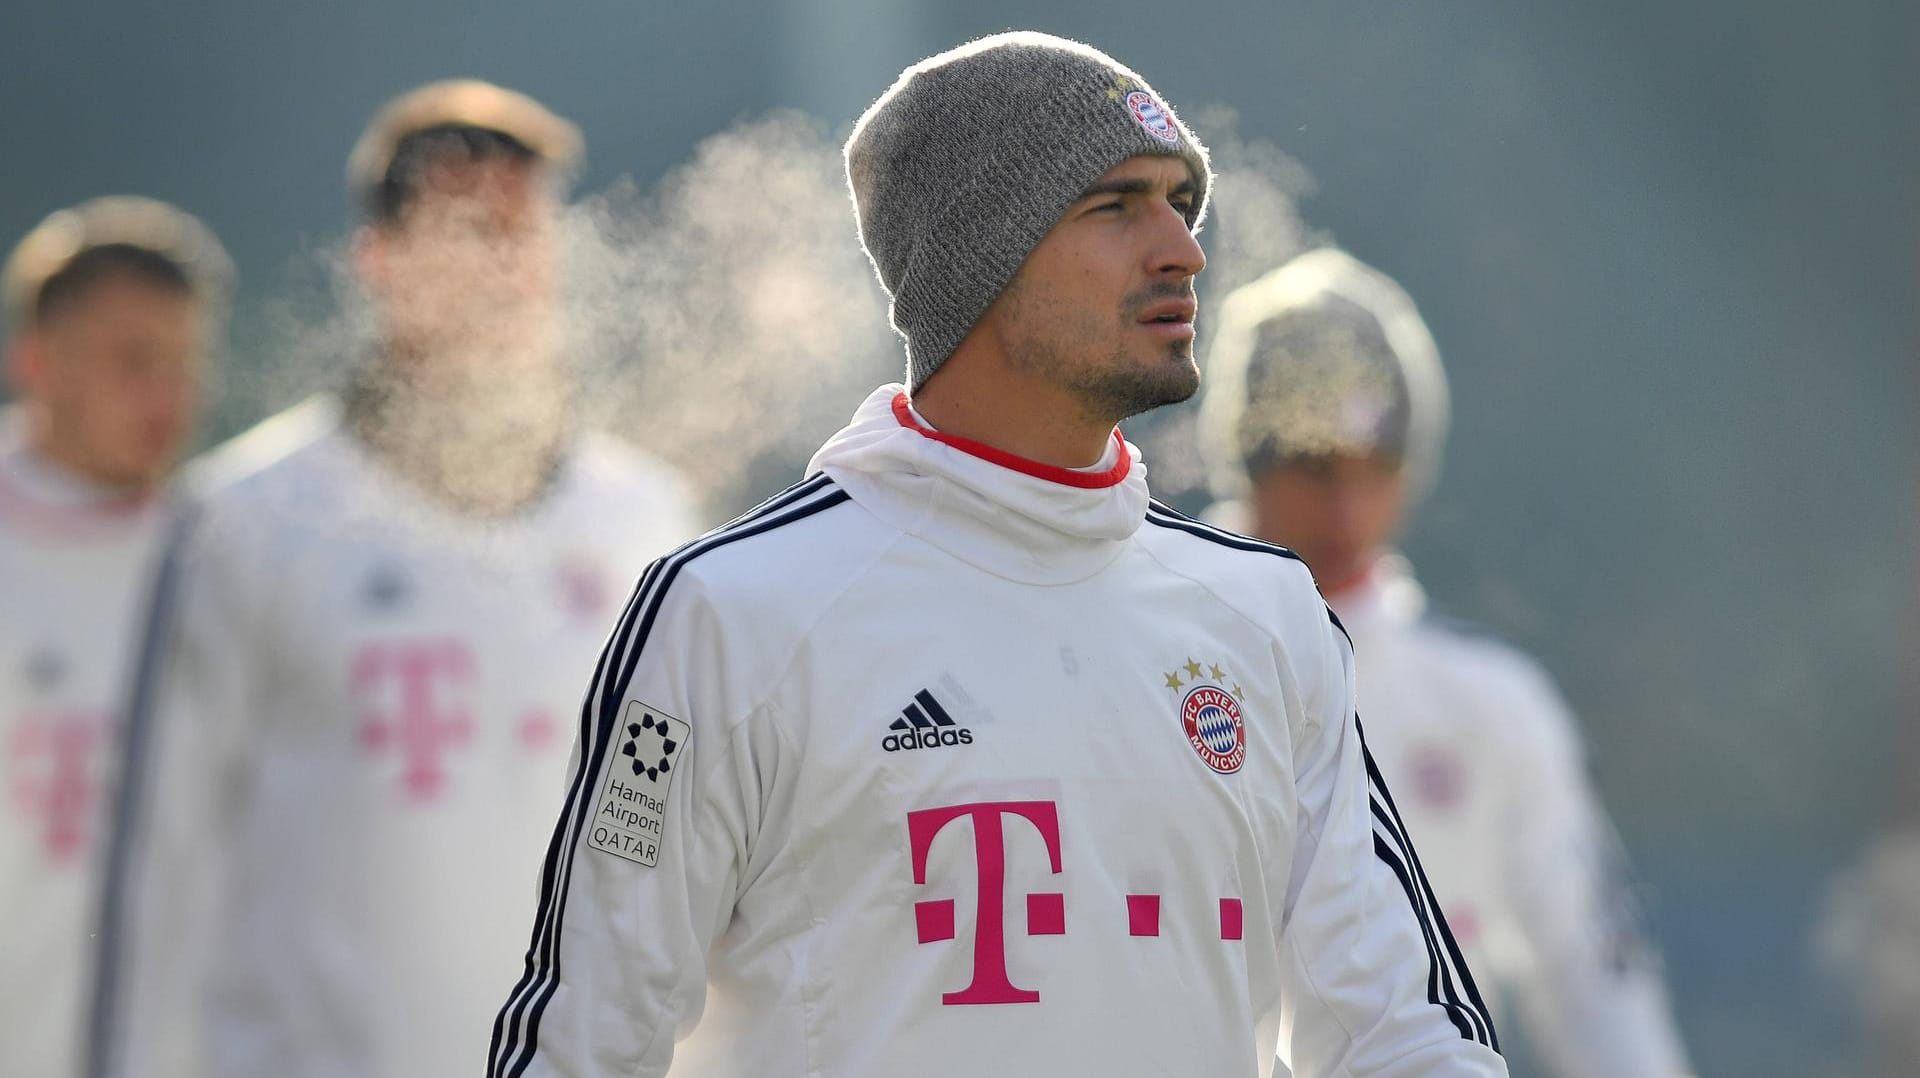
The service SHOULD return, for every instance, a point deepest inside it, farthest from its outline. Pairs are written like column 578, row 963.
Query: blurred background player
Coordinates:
column 1327, row 406
column 112, row 307
column 384, row 619
column 1868, row 941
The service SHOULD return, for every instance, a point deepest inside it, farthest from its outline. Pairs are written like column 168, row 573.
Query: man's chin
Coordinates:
column 1339, row 574
column 1179, row 375
column 1132, row 392
column 132, row 478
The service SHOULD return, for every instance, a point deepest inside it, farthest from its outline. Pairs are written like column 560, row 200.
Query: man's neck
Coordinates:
column 488, row 450
column 1351, row 584
column 57, row 466
column 971, row 397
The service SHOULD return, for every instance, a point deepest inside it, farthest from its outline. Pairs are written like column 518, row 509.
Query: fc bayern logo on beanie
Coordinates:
column 1153, row 116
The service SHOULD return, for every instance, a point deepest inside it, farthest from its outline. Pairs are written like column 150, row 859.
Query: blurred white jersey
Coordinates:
column 358, row 748
column 1485, row 759
column 74, row 565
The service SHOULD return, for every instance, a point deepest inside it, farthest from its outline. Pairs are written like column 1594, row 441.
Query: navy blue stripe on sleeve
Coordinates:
column 516, row 1031
column 1450, row 984
column 112, row 933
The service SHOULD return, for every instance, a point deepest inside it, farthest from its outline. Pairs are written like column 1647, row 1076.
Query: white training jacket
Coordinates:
column 356, row 751
column 75, row 562
column 945, row 764
column 1486, row 763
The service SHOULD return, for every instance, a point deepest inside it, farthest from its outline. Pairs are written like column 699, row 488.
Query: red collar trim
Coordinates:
column 1052, row 473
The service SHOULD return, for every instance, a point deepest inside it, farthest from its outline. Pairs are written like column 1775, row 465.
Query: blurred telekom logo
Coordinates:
column 52, row 780
column 413, row 701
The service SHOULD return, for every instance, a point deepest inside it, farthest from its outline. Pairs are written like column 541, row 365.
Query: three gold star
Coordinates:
column 1196, row 672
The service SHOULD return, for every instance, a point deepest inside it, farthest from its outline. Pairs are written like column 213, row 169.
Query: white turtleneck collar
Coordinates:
column 47, row 482
column 1016, row 518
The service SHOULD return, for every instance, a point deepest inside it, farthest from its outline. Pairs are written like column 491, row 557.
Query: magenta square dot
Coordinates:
column 1047, row 914
column 1143, row 915
column 1230, row 928
column 934, row 919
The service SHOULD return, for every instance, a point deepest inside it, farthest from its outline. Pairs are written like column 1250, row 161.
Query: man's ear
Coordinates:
column 27, row 362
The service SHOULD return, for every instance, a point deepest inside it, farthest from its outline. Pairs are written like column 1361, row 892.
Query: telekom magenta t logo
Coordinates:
column 934, row 920
column 412, row 696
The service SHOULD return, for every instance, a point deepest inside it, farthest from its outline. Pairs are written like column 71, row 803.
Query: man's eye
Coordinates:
column 1107, row 206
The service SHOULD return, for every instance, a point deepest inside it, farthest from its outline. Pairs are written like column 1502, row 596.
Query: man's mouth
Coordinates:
column 1178, row 312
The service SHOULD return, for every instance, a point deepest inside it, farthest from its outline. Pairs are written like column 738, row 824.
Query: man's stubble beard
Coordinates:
column 1110, row 388
column 481, row 425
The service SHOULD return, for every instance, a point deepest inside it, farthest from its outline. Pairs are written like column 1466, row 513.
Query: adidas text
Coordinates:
column 926, row 739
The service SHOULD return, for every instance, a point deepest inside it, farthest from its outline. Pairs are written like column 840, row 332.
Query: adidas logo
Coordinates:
column 924, row 724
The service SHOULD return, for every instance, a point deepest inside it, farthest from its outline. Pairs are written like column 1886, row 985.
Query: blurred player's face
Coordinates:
column 1104, row 305
column 113, row 377
column 470, row 266
column 1337, row 512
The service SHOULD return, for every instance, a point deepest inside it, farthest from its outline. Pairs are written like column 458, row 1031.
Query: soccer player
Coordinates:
column 1868, row 940
column 383, row 618
column 1328, row 406
column 962, row 757
column 112, row 307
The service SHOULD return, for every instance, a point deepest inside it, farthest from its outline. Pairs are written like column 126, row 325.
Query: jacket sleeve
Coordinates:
column 1590, row 987
column 666, row 797
column 191, row 703
column 1375, row 985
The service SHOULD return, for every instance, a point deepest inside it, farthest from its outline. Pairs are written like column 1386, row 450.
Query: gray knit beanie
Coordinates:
column 972, row 156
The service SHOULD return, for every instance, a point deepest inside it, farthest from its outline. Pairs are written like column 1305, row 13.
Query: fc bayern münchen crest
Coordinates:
column 1210, row 714
column 1214, row 727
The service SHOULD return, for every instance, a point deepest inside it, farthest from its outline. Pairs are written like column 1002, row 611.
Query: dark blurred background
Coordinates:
column 1668, row 252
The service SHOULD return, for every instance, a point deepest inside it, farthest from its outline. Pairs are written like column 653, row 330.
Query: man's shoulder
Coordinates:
column 783, row 560
column 276, row 452
column 1508, row 688
column 1267, row 583
column 1479, row 652
column 272, row 491
column 602, row 463
column 1205, row 547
